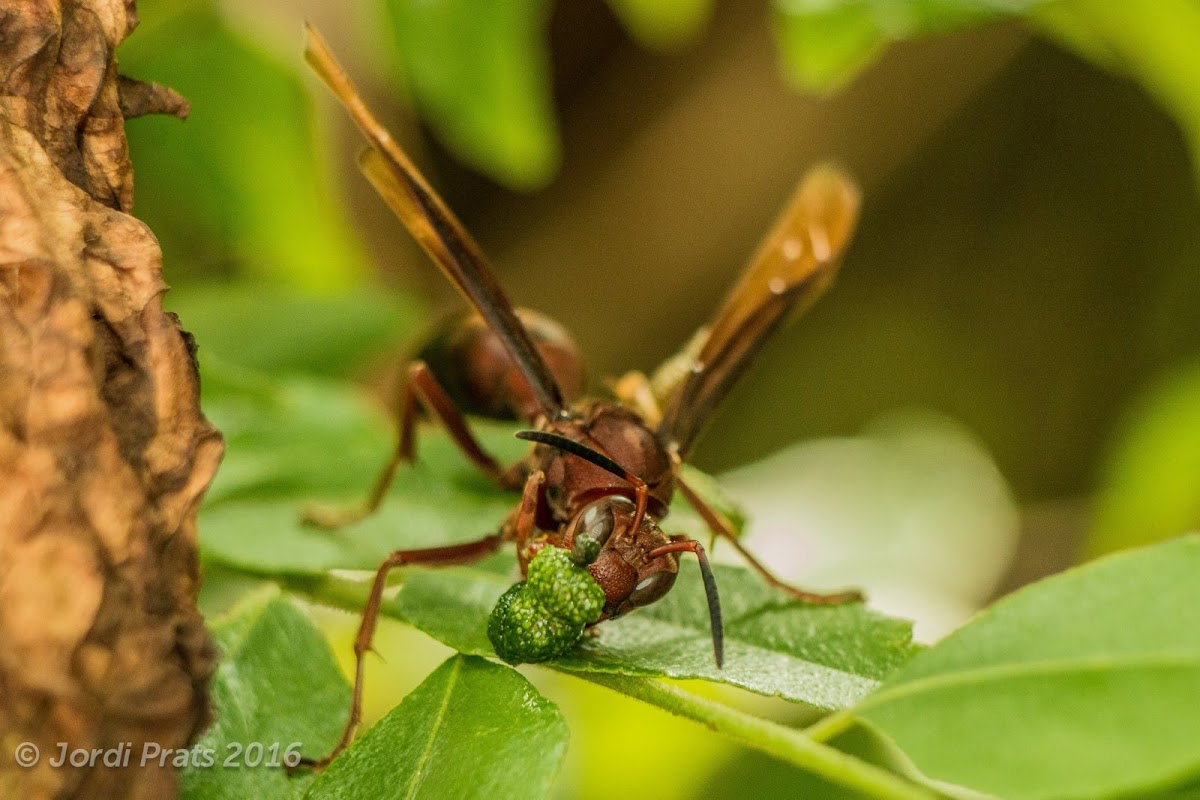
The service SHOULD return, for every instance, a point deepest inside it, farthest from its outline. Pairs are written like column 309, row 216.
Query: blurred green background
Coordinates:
column 1026, row 273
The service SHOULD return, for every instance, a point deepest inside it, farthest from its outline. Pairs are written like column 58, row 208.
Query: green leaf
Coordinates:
column 752, row 774
column 237, row 186
column 266, row 536
column 290, row 437
column 479, row 71
column 295, row 441
column 298, row 441
column 472, row 729
column 1149, row 490
column 279, row 330
column 824, row 43
column 1152, row 41
column 828, row 657
column 309, row 439
column 663, row 24
column 1083, row 685
column 820, row 51
column 277, row 684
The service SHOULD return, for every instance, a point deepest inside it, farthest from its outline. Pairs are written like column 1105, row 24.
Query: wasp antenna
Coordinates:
column 569, row 445
column 714, row 606
column 591, row 455
column 710, row 590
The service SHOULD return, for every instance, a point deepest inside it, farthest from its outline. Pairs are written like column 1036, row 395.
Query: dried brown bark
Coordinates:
column 104, row 454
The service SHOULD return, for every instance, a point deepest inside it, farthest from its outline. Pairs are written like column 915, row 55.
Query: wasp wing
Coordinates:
column 794, row 264
column 435, row 227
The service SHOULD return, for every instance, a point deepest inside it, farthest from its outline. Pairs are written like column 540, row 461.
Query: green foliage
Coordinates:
column 472, row 729
column 1083, row 685
column 255, row 202
column 1150, row 490
column 663, row 24
column 277, row 684
column 479, row 72
column 827, row 657
column 824, row 44
column 1151, row 41
column 1078, row 686
column 274, row 328
column 295, row 441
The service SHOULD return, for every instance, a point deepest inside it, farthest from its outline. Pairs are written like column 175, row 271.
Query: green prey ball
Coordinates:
column 544, row 616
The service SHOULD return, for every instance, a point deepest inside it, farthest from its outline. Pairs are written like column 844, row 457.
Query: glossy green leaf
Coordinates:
column 277, row 686
column 255, row 201
column 473, row 729
column 828, row 657
column 479, row 72
column 306, row 438
column 300, row 441
column 663, row 24
column 1083, row 685
column 303, row 440
column 280, row 330
column 1150, row 490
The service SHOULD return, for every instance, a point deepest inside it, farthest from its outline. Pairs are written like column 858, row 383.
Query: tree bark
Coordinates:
column 104, row 454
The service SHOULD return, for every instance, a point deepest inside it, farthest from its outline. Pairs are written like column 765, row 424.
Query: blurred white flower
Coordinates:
column 914, row 511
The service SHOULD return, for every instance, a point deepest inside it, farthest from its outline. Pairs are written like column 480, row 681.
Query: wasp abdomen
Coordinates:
column 472, row 364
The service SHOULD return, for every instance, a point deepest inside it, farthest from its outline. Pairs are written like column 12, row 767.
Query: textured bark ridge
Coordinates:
column 104, row 455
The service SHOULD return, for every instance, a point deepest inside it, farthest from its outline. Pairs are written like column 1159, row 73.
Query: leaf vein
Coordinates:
column 1030, row 669
column 438, row 720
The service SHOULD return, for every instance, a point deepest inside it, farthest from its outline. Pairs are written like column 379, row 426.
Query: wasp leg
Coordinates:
column 421, row 389
column 723, row 528
column 524, row 520
column 521, row 527
column 439, row 556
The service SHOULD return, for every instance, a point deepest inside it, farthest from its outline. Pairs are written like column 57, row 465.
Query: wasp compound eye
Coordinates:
column 598, row 519
column 651, row 589
column 544, row 616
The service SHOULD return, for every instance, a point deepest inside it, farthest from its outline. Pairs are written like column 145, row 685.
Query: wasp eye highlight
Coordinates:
column 598, row 519
column 651, row 588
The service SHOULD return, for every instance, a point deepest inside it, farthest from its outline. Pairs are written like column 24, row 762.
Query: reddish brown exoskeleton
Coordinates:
column 471, row 363
column 607, row 468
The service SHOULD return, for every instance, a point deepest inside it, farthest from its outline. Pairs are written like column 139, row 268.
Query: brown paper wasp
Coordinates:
column 606, row 468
